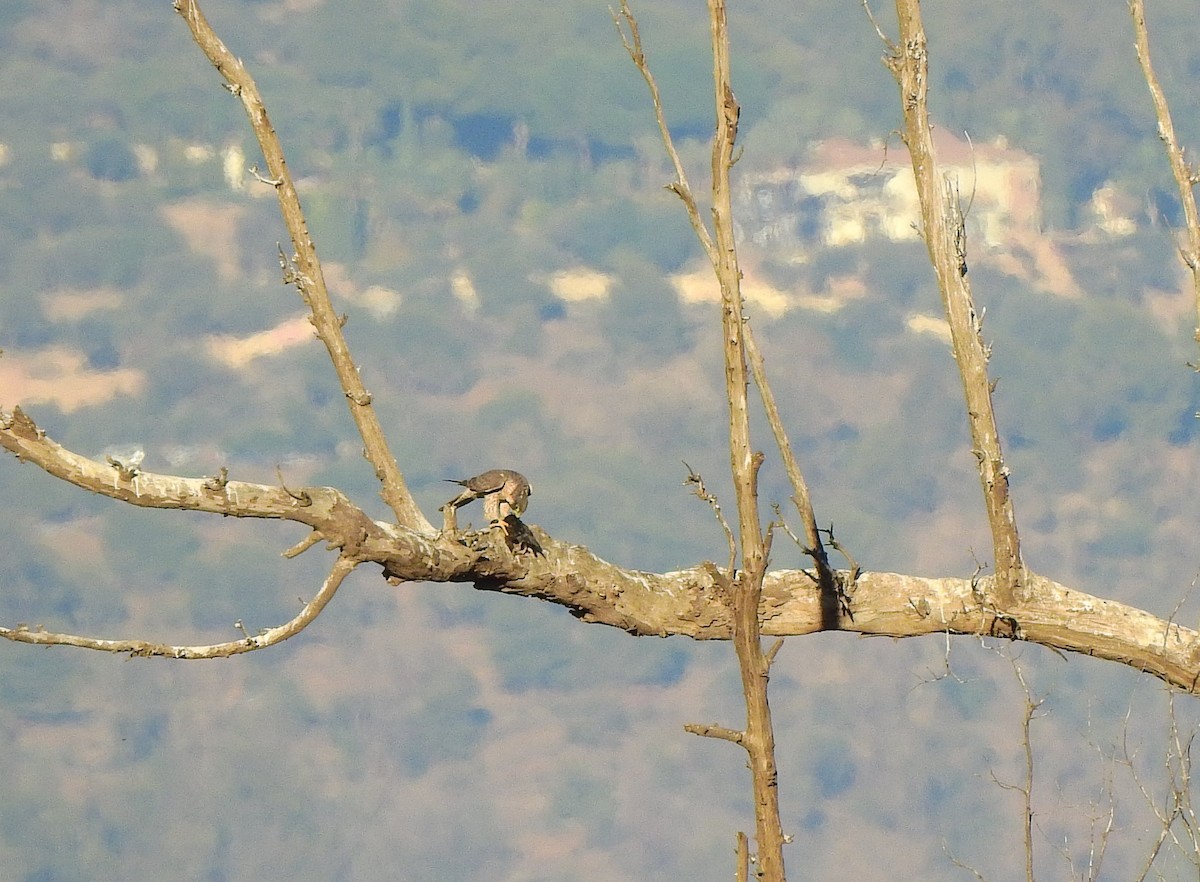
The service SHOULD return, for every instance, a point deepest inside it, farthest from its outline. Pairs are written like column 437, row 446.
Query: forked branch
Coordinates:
column 832, row 596
column 745, row 596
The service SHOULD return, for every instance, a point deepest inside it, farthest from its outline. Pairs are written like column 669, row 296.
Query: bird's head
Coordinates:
column 522, row 498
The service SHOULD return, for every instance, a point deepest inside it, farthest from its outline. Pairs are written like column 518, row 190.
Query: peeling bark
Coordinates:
column 686, row 602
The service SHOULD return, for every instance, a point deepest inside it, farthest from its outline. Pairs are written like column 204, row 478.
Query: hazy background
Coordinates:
column 485, row 184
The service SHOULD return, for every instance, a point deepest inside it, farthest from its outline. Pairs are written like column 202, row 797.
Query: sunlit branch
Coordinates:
column 1186, row 177
column 342, row 567
column 944, row 230
column 304, row 270
column 316, row 507
column 814, row 547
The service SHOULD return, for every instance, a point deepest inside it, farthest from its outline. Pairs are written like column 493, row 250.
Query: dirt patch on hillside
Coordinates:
column 61, row 377
column 71, row 305
column 237, row 352
column 211, row 230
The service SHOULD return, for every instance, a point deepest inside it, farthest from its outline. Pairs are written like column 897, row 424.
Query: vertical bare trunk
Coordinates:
column 759, row 740
column 742, row 589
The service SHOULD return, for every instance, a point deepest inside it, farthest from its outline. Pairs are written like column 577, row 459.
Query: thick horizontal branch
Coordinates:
column 883, row 604
column 687, row 602
column 690, row 603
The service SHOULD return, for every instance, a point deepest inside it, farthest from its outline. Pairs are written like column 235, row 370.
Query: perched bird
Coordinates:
column 503, row 492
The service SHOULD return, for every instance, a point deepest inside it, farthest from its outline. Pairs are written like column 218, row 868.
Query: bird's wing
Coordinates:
column 488, row 482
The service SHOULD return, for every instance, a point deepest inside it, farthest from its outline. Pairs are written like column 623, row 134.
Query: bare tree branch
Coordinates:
column 304, row 270
column 945, row 238
column 1186, row 177
column 831, row 595
column 963, row 865
column 342, row 567
column 696, row 481
column 632, row 40
column 316, row 507
column 660, row 604
column 1176, row 808
column 758, row 738
column 723, row 733
column 1026, row 788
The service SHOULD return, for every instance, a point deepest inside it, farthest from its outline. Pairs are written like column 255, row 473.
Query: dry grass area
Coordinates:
column 59, row 375
column 580, row 284
column 700, row 286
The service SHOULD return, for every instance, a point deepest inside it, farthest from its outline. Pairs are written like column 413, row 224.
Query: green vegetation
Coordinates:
column 480, row 737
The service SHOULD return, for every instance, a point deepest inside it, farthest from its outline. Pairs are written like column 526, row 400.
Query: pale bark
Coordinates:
column 742, row 603
column 747, row 585
column 1186, row 176
column 944, row 231
column 740, row 588
column 686, row 602
column 303, row 269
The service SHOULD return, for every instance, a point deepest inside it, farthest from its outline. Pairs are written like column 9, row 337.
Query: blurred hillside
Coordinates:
column 486, row 187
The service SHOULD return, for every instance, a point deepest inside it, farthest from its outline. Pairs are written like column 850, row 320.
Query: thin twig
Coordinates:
column 342, row 567
column 696, row 481
column 1031, row 707
column 631, row 39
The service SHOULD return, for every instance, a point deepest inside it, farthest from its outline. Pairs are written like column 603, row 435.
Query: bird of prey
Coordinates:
column 503, row 491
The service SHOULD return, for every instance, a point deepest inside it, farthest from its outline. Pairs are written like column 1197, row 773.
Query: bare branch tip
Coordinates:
column 722, row 733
